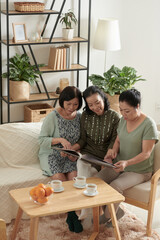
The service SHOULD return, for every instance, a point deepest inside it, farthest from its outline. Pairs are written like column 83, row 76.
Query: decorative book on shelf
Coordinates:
column 59, row 58
column 85, row 157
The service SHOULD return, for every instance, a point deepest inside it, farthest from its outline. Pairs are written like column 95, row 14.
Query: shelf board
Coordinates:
column 74, row 67
column 46, row 41
column 36, row 97
column 13, row 12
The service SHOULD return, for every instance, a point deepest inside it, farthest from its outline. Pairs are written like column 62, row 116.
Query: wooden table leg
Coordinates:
column 114, row 220
column 18, row 218
column 95, row 223
column 34, row 228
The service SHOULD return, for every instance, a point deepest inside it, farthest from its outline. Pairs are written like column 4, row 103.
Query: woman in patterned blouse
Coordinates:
column 61, row 128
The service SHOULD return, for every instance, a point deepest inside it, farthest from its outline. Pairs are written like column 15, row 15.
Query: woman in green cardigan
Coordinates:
column 61, row 128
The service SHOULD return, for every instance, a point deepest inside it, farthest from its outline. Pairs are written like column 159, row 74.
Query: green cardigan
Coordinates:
column 98, row 133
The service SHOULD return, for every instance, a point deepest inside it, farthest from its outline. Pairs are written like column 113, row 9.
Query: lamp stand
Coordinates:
column 105, row 61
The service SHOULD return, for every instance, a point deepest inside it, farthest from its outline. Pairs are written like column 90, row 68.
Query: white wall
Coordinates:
column 140, row 40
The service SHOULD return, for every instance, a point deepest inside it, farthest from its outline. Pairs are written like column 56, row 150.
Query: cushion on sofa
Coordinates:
column 19, row 163
column 13, row 178
column 19, row 144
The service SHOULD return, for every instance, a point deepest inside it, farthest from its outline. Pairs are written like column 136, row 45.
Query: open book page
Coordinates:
column 85, row 157
column 93, row 159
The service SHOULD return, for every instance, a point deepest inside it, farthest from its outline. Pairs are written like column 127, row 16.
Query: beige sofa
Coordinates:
column 19, row 164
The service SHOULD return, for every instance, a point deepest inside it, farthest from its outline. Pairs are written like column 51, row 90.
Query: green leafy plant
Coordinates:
column 116, row 80
column 20, row 69
column 68, row 18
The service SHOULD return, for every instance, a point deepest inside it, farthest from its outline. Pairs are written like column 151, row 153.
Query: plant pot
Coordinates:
column 19, row 90
column 114, row 102
column 67, row 33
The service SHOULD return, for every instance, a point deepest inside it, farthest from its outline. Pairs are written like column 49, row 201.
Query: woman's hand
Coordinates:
column 111, row 154
column 120, row 166
column 65, row 143
column 72, row 158
column 109, row 160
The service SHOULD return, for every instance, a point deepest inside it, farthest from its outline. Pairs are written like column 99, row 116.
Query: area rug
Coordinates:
column 55, row 228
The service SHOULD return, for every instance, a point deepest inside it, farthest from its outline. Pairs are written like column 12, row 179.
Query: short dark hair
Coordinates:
column 131, row 96
column 68, row 93
column 92, row 90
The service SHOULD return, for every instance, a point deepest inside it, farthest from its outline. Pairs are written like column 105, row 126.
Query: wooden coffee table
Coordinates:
column 71, row 199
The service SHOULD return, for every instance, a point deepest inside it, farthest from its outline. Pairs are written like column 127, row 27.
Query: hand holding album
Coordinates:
column 107, row 159
column 85, row 157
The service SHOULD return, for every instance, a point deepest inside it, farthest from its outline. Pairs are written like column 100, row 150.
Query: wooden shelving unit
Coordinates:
column 43, row 95
column 46, row 11
column 46, row 41
column 36, row 97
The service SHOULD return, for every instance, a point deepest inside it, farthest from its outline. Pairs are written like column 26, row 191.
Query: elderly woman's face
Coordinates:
column 96, row 104
column 128, row 112
column 71, row 106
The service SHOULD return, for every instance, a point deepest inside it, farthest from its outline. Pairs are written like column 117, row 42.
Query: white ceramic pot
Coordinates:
column 67, row 33
column 19, row 90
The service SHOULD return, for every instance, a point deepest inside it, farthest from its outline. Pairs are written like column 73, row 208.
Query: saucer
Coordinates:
column 77, row 186
column 59, row 190
column 90, row 195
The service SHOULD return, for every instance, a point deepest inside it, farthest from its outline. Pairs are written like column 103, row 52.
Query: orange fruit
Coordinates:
column 41, row 185
column 48, row 191
column 42, row 200
column 40, row 192
column 33, row 193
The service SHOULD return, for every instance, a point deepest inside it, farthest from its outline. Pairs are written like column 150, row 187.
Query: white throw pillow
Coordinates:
column 19, row 144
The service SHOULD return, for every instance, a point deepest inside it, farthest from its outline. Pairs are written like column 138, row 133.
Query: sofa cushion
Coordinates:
column 20, row 175
column 19, row 144
column 141, row 192
column 13, row 178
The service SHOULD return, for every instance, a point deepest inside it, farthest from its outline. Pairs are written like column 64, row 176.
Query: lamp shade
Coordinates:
column 107, row 36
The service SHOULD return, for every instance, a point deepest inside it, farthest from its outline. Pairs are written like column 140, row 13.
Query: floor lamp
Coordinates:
column 107, row 36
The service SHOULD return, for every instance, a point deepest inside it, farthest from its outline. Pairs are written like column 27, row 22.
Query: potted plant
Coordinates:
column 68, row 18
column 21, row 75
column 115, row 81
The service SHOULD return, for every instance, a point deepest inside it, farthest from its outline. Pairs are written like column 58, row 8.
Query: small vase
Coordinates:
column 63, row 83
column 67, row 33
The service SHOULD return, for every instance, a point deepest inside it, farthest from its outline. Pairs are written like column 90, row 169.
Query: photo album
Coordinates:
column 85, row 157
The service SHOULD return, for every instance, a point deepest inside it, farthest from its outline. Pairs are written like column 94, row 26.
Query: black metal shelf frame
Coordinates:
column 7, row 43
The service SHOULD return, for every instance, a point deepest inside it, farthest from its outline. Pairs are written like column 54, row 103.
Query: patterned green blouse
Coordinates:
column 98, row 133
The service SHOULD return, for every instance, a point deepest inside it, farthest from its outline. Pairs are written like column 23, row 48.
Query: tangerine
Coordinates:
column 40, row 192
column 42, row 200
column 33, row 193
column 48, row 191
column 41, row 185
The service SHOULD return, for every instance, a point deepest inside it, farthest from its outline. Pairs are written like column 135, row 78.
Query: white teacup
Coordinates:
column 56, row 185
column 91, row 188
column 80, row 181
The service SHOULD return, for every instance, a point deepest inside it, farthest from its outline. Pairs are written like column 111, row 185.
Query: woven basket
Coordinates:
column 35, row 112
column 114, row 102
column 29, row 6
